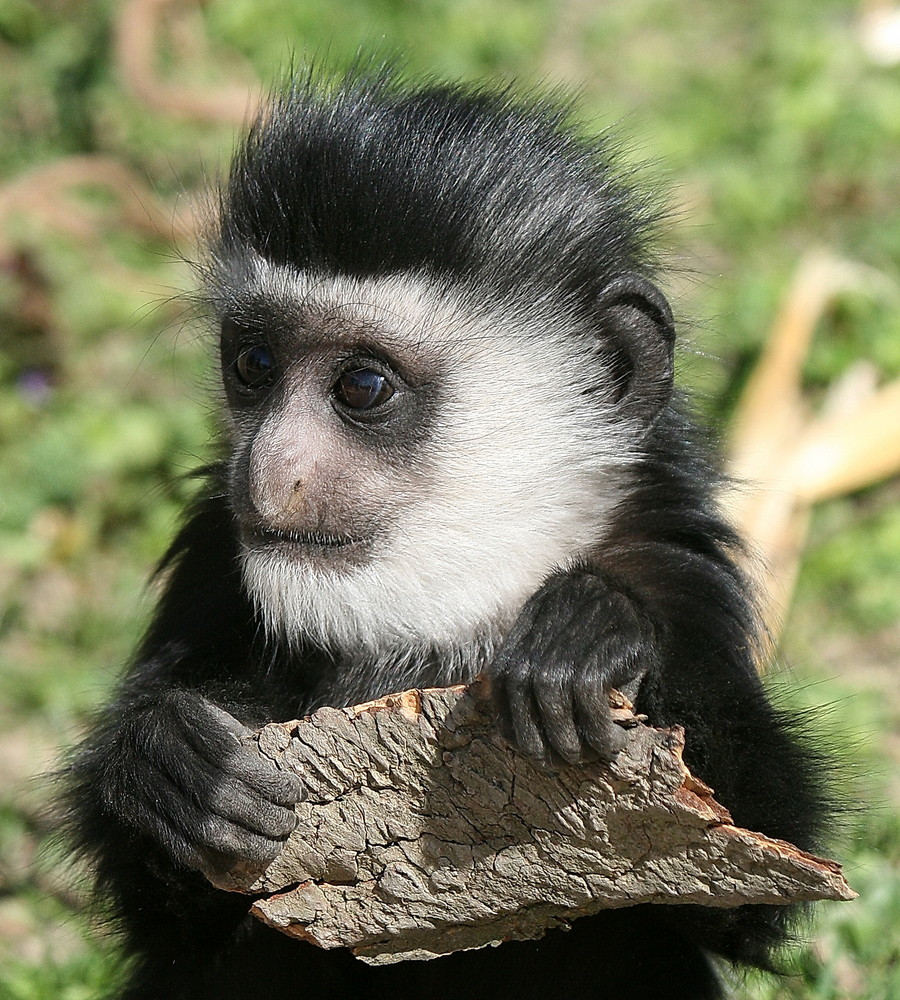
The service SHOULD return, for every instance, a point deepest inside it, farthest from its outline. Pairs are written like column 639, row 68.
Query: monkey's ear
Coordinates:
column 636, row 323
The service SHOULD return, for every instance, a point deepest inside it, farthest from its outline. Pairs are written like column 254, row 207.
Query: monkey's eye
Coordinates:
column 363, row 389
column 255, row 366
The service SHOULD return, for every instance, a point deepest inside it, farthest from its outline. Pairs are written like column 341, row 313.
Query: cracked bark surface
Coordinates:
column 423, row 833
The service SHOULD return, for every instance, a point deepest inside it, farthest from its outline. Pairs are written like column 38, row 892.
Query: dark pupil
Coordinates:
column 254, row 366
column 362, row 389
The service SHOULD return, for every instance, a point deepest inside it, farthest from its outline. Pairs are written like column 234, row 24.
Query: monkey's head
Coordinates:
column 441, row 356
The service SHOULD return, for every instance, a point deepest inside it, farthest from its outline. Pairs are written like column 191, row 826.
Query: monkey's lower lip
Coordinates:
column 313, row 540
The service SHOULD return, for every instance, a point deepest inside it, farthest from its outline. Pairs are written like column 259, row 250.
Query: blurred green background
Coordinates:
column 775, row 129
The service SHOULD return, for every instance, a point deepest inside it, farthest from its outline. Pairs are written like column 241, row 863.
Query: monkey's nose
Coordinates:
column 278, row 496
column 284, row 512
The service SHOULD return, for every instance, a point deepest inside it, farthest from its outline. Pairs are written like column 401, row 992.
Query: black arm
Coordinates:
column 662, row 609
column 167, row 778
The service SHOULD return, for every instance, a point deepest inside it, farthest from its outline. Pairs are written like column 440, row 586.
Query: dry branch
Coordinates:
column 424, row 833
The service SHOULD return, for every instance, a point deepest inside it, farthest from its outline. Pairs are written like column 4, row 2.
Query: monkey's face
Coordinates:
column 327, row 426
column 406, row 466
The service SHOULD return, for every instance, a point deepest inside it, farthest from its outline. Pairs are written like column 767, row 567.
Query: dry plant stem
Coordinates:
column 845, row 452
column 45, row 192
column 424, row 833
column 137, row 42
column 786, row 459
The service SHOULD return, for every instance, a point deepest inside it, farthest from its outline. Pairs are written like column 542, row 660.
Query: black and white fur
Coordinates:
column 527, row 501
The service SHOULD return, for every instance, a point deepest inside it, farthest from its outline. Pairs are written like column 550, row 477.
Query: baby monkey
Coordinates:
column 452, row 447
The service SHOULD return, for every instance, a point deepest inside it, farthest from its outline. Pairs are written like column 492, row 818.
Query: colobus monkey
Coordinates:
column 452, row 448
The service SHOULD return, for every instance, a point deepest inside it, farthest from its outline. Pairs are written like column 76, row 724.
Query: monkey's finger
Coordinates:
column 242, row 758
column 554, row 697
column 220, row 837
column 519, row 715
column 236, row 803
column 226, row 721
column 197, row 768
column 281, row 787
column 191, row 832
column 594, row 720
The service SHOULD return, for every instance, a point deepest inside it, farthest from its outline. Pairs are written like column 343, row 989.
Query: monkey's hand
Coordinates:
column 188, row 774
column 576, row 638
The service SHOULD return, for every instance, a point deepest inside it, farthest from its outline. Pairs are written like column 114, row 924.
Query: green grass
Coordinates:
column 773, row 134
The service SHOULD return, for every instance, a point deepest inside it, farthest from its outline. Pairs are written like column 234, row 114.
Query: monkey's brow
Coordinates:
column 298, row 330
column 307, row 318
column 258, row 312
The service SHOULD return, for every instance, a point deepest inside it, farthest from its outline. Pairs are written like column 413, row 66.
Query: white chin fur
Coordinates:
column 370, row 609
column 524, row 469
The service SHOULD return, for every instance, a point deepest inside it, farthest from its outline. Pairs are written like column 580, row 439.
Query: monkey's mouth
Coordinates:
column 301, row 542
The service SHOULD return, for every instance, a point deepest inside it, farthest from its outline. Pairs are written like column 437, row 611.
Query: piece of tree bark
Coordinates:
column 423, row 833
